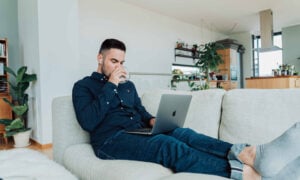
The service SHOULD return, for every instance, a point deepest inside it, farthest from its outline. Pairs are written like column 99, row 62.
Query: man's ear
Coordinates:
column 100, row 58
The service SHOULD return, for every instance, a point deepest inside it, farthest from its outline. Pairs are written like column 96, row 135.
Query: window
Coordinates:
column 186, row 72
column 264, row 62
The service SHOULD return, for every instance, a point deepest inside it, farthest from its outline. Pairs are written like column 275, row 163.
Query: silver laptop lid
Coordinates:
column 172, row 112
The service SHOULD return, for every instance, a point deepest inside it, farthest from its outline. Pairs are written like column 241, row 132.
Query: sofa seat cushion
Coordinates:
column 81, row 160
column 193, row 176
column 257, row 116
column 204, row 112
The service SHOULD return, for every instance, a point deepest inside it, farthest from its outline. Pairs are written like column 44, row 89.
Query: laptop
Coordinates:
column 171, row 114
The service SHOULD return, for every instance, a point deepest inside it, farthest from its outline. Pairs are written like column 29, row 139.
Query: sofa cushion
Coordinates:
column 87, row 166
column 257, row 116
column 204, row 111
column 193, row 176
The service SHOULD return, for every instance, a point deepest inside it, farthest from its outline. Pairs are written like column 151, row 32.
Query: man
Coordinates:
column 106, row 109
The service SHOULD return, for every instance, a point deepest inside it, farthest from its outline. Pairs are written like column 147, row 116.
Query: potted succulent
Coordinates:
column 16, row 127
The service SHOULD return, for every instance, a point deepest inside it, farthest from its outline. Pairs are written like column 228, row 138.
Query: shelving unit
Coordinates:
column 4, row 88
column 5, row 109
column 193, row 53
column 232, row 66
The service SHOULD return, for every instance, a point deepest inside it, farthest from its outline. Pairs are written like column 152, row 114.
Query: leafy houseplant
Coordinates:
column 20, row 105
column 209, row 59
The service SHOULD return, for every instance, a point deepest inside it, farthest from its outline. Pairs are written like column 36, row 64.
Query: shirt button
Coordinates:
column 131, row 118
column 121, row 100
column 121, row 108
column 107, row 102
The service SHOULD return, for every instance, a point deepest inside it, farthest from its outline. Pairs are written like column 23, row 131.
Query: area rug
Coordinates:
column 23, row 163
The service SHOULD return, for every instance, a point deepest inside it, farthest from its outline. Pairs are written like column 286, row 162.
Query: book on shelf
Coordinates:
column 3, row 85
column 2, row 50
column 1, row 68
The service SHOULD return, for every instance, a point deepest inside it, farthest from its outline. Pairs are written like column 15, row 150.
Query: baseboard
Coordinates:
column 40, row 146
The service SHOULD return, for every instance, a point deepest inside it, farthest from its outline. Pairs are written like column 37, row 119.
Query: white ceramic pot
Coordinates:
column 22, row 139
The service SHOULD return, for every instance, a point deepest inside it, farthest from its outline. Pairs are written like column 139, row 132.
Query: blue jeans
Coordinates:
column 182, row 150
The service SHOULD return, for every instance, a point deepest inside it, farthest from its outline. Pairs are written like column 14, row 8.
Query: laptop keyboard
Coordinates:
column 143, row 130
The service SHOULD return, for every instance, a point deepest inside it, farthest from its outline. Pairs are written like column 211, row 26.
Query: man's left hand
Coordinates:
column 152, row 122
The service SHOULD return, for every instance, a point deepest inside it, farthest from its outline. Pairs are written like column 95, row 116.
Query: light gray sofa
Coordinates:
column 237, row 116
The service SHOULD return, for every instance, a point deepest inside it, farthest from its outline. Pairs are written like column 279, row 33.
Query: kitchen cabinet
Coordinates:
column 273, row 82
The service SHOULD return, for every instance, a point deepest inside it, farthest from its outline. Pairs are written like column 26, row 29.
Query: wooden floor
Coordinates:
column 47, row 150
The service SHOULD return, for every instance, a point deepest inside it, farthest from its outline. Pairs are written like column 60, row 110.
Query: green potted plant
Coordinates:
column 17, row 127
column 209, row 59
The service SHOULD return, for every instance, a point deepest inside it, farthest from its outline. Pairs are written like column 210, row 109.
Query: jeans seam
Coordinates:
column 101, row 153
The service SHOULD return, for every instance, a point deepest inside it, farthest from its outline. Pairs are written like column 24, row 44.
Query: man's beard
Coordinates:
column 103, row 70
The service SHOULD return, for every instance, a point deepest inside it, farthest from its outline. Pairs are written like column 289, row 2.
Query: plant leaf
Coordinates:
column 20, row 110
column 29, row 78
column 8, row 102
column 10, row 71
column 21, row 73
column 16, row 131
column 15, row 124
column 6, row 122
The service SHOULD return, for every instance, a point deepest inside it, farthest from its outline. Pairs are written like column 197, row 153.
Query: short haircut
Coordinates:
column 112, row 43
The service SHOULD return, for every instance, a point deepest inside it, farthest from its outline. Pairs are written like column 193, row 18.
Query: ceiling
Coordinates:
column 225, row 16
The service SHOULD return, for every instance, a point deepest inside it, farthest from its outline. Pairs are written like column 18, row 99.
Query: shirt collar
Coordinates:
column 99, row 76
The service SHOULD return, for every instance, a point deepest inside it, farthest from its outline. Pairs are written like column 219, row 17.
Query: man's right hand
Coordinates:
column 115, row 76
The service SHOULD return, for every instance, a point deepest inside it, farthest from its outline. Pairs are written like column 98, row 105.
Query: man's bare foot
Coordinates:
column 247, row 156
column 250, row 174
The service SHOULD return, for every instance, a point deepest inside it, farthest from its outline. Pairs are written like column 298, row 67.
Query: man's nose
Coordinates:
column 119, row 65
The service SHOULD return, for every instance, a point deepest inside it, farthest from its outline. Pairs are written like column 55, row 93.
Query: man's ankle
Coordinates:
column 250, row 174
column 247, row 156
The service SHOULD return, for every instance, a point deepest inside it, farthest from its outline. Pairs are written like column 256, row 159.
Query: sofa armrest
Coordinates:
column 66, row 129
column 81, row 161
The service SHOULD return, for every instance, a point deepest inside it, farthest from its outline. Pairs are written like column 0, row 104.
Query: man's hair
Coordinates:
column 112, row 43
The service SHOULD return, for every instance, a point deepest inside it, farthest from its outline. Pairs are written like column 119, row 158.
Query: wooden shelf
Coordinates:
column 186, row 49
column 186, row 56
column 192, row 51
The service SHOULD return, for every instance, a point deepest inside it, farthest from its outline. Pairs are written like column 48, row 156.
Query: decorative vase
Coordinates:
column 21, row 139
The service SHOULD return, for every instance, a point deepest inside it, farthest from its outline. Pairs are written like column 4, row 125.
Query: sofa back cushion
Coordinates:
column 204, row 112
column 257, row 116
column 66, row 129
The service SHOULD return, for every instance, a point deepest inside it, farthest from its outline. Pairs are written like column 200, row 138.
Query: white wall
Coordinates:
column 290, row 45
column 150, row 39
column 60, row 41
column 9, row 30
column 29, row 46
column 49, row 40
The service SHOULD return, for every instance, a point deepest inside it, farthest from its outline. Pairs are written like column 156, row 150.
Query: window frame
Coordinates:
column 255, row 53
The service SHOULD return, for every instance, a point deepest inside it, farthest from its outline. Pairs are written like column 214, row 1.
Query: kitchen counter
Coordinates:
column 273, row 82
column 268, row 77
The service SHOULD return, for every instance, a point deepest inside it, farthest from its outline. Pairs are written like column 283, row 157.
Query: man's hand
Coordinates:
column 115, row 76
column 152, row 122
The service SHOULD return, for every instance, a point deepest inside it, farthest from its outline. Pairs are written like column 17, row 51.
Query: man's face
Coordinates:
column 110, row 59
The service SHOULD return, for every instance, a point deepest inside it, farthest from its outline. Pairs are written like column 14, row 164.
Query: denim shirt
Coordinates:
column 103, row 109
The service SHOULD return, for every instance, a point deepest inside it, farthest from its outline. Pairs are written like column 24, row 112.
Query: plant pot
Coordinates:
column 22, row 139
